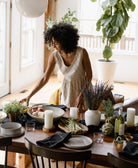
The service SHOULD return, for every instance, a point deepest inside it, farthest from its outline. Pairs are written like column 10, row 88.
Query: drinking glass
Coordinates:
column 98, row 137
column 30, row 126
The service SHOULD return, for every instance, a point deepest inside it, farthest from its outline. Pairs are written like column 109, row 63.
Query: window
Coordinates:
column 27, row 41
column 2, row 41
column 92, row 40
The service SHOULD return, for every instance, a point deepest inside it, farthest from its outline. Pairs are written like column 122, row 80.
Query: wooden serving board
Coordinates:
column 83, row 130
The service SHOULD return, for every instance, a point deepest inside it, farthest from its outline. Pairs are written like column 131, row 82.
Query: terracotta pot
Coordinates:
column 13, row 117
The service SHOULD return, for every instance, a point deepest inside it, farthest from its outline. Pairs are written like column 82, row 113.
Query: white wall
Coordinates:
column 63, row 5
column 127, row 69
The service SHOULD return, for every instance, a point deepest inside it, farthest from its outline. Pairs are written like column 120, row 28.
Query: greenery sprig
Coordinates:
column 108, row 108
column 69, row 17
column 14, row 108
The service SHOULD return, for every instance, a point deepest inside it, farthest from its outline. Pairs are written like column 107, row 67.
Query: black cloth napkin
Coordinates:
column 135, row 134
column 55, row 140
column 130, row 150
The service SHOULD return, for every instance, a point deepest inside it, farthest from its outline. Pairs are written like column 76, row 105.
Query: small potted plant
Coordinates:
column 93, row 97
column 13, row 110
column 113, row 23
column 108, row 108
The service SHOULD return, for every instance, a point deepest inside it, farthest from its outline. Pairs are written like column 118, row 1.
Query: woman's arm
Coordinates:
column 87, row 66
column 88, row 75
column 44, row 79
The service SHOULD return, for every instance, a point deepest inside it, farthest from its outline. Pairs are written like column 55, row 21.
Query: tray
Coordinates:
column 83, row 129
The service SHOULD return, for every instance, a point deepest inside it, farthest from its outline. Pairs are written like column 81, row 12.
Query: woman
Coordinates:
column 72, row 60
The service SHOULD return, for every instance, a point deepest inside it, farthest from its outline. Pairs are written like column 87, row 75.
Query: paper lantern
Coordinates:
column 31, row 8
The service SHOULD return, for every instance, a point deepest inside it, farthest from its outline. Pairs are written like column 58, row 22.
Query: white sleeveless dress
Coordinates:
column 73, row 77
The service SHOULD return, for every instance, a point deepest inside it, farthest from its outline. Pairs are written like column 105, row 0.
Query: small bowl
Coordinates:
column 3, row 115
column 10, row 128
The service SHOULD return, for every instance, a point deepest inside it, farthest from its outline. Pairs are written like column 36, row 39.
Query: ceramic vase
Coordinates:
column 92, row 117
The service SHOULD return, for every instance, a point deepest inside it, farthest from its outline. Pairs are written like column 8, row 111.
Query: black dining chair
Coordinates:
column 53, row 154
column 117, row 162
column 5, row 142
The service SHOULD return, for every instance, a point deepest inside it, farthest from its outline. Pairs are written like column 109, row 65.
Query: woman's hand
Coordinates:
column 80, row 103
column 27, row 99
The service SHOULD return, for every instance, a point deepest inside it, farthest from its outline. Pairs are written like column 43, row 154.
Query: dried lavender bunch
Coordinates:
column 94, row 96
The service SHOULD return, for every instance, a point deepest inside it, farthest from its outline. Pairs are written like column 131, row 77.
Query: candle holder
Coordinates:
column 49, row 130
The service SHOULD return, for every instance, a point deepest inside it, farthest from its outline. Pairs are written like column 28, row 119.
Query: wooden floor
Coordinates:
column 127, row 89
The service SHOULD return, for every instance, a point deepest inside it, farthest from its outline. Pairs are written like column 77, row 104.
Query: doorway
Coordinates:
column 23, row 43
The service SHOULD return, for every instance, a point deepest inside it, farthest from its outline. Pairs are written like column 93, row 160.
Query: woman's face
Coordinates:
column 56, row 45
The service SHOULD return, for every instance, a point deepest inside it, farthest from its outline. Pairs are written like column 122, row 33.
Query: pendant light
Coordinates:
column 31, row 8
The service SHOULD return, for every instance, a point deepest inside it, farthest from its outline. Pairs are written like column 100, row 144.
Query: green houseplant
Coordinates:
column 113, row 22
column 69, row 17
column 14, row 109
column 108, row 108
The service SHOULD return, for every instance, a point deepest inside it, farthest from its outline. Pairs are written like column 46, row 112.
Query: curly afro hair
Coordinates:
column 65, row 34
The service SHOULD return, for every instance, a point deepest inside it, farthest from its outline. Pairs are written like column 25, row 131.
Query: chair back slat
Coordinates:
column 65, row 164
column 84, row 164
column 32, row 159
column 73, row 164
column 117, row 162
column 56, row 163
column 37, row 163
column 49, row 163
column 6, row 155
column 42, row 161
column 57, row 155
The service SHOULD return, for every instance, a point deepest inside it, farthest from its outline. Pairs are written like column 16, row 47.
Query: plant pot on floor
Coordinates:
column 106, row 70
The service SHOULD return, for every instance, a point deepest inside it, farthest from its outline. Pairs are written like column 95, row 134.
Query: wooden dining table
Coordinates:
column 99, row 150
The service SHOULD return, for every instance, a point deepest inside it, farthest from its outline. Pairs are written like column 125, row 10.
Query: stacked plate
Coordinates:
column 11, row 129
column 3, row 115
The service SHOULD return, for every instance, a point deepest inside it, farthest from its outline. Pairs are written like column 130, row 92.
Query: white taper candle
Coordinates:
column 131, row 116
column 74, row 112
column 48, row 119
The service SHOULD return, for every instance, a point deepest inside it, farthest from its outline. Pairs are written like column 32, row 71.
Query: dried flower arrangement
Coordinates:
column 94, row 96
